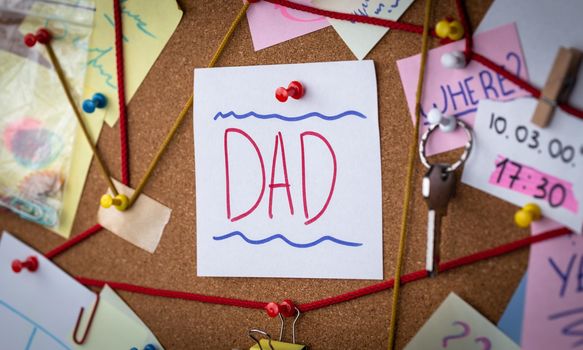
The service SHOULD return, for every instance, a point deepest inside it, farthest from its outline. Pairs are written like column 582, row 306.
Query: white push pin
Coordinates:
column 453, row 59
column 447, row 123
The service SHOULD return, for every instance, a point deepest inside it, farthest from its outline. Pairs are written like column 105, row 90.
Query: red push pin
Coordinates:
column 287, row 308
column 272, row 309
column 31, row 264
column 42, row 36
column 294, row 90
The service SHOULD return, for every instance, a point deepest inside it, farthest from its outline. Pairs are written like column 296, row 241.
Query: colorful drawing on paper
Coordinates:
column 32, row 146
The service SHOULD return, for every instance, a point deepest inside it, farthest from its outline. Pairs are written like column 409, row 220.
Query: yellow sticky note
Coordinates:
column 115, row 326
column 147, row 26
column 159, row 19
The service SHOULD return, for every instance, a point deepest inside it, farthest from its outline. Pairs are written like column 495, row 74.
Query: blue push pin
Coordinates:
column 97, row 101
column 147, row 347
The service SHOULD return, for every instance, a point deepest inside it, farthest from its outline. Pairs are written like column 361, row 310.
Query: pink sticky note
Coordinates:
column 458, row 91
column 272, row 24
column 553, row 311
column 532, row 182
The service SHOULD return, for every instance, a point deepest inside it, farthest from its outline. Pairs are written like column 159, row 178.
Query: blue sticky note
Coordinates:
column 511, row 321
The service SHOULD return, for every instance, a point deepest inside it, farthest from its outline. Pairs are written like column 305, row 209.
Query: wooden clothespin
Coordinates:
column 559, row 85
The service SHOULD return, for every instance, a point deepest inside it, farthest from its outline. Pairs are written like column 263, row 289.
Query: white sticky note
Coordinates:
column 455, row 325
column 361, row 38
column 517, row 161
column 38, row 310
column 142, row 225
column 249, row 147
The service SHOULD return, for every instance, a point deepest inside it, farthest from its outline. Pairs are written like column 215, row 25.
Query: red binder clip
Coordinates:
column 31, row 264
column 294, row 90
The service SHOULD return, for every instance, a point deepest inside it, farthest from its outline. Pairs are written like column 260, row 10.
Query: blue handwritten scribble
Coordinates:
column 289, row 119
column 286, row 240
column 379, row 9
column 394, row 6
column 362, row 11
column 111, row 21
column 95, row 63
column 140, row 23
column 574, row 328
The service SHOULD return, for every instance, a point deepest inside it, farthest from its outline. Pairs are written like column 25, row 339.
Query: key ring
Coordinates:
column 463, row 157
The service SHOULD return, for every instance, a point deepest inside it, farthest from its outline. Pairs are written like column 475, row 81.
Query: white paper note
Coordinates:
column 249, row 147
column 361, row 38
column 456, row 325
column 38, row 310
column 517, row 161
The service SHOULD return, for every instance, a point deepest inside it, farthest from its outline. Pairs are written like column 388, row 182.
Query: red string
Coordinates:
column 318, row 304
column 468, row 35
column 123, row 132
column 173, row 294
column 73, row 241
column 508, row 75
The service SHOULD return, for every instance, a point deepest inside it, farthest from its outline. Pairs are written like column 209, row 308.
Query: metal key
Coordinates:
column 437, row 188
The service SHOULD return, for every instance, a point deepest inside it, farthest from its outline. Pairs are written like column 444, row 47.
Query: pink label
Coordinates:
column 458, row 91
column 523, row 179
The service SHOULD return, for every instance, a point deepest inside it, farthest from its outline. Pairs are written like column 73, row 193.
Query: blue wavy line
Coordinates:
column 288, row 119
column 283, row 238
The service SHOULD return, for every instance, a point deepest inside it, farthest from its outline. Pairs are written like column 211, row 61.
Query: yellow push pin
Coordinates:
column 120, row 202
column 449, row 29
column 525, row 216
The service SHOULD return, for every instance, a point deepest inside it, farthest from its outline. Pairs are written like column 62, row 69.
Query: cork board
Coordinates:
column 475, row 220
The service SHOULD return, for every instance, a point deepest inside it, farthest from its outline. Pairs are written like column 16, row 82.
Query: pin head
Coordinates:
column 42, row 36
column 98, row 100
column 452, row 30
column 454, row 60
column 287, row 308
column 120, row 202
column 447, row 123
column 31, row 264
column 294, row 90
column 525, row 216
column 106, row 201
column 29, row 40
column 272, row 309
